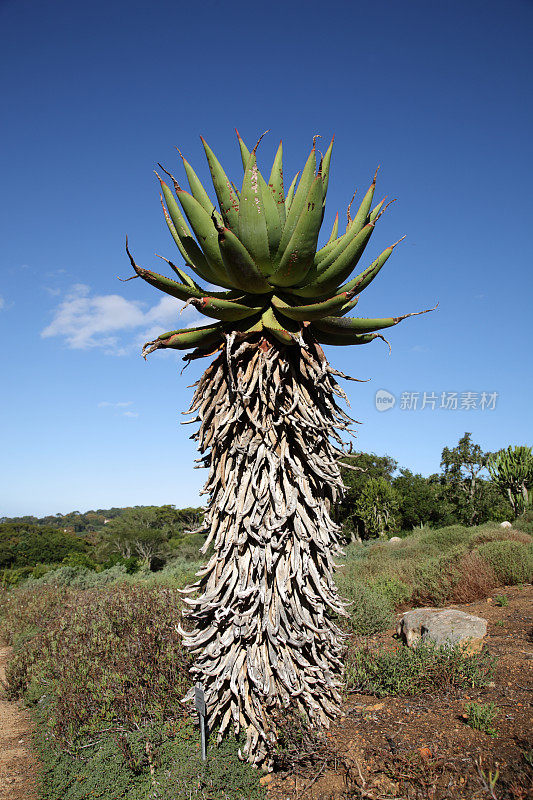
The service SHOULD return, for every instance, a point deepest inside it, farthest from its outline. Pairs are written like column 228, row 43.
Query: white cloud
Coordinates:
column 87, row 320
column 119, row 407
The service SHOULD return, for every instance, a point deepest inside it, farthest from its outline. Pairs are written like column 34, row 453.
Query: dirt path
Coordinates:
column 17, row 764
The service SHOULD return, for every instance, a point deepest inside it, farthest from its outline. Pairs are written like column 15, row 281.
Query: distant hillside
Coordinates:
column 74, row 521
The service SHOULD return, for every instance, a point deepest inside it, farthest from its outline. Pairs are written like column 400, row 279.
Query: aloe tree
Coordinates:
column 261, row 617
column 512, row 472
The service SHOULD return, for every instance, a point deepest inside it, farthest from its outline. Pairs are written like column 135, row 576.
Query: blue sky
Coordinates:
column 95, row 94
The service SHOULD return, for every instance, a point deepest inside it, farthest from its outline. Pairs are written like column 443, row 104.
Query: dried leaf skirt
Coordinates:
column 261, row 621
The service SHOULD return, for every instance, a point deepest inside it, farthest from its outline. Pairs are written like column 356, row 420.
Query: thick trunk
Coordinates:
column 262, row 626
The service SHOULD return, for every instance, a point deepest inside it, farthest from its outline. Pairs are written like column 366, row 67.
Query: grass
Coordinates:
column 481, row 716
column 412, row 671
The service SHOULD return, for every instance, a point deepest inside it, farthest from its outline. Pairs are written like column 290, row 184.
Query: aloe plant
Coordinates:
column 261, row 618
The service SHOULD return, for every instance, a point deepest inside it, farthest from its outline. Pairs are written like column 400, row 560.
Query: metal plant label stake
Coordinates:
column 199, row 703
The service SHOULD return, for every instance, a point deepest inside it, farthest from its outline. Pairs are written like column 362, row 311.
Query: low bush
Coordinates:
column 153, row 763
column 25, row 609
column 511, row 561
column 476, row 578
column 104, row 671
column 525, row 522
column 501, row 600
column 176, row 574
column 411, row 671
column 300, row 746
column 431, row 567
column 110, row 658
column 370, row 610
column 480, row 717
column 501, row 535
column 79, row 577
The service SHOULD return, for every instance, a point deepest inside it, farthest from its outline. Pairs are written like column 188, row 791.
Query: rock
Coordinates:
column 505, row 525
column 443, row 627
column 394, row 540
column 266, row 779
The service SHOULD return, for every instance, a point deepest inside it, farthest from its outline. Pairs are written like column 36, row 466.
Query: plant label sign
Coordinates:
column 199, row 704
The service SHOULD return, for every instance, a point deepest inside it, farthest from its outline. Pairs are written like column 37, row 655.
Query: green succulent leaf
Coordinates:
column 343, row 340
column 275, row 183
column 241, row 267
column 324, row 168
column 334, row 231
column 361, row 218
column 223, row 309
column 311, row 311
column 204, row 227
column 290, row 193
column 204, row 337
column 196, row 187
column 252, row 219
column 227, row 197
column 297, row 258
column 300, row 197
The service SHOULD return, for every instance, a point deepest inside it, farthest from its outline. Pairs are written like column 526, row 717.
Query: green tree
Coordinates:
column 376, row 506
column 511, row 471
column 463, row 467
column 142, row 532
column 356, row 471
column 23, row 545
column 148, row 533
column 421, row 501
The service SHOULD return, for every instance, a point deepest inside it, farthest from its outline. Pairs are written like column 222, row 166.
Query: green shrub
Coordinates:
column 177, row 573
column 501, row 600
column 79, row 577
column 104, row 671
column 110, row 658
column 14, row 575
column 154, row 763
column 411, row 671
column 431, row 567
column 500, row 535
column 23, row 608
column 525, row 522
column 188, row 547
column 370, row 610
column 396, row 590
column 24, row 545
column 480, row 717
column 511, row 561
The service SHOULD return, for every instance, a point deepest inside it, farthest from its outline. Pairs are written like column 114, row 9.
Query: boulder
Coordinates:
column 448, row 627
column 394, row 540
column 505, row 525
